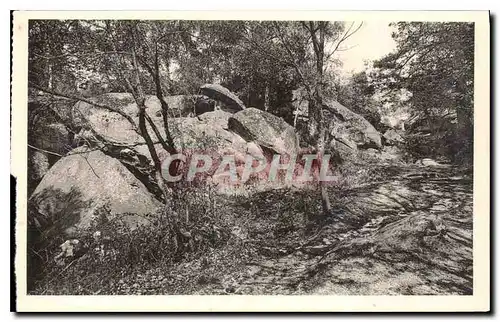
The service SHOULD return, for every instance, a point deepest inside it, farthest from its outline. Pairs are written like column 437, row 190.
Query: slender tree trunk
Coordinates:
column 317, row 108
column 50, row 84
column 320, row 147
column 164, row 105
column 249, row 90
column 137, row 90
column 266, row 97
column 151, row 148
column 296, row 117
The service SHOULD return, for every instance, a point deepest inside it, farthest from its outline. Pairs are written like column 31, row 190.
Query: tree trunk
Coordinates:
column 138, row 92
column 320, row 148
column 296, row 116
column 50, row 83
column 266, row 97
column 317, row 108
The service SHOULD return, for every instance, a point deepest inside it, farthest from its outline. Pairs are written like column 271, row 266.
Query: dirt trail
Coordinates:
column 411, row 235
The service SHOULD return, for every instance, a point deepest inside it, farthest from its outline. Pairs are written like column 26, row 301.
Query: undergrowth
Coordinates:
column 199, row 238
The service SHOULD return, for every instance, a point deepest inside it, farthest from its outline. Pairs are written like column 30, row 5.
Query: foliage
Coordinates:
column 201, row 236
column 434, row 62
column 111, row 249
column 358, row 95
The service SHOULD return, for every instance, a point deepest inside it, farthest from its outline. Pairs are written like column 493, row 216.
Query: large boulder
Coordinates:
column 207, row 132
column 211, row 133
column 79, row 186
column 179, row 106
column 218, row 118
column 266, row 130
column 345, row 125
column 346, row 149
column 222, row 94
column 82, row 110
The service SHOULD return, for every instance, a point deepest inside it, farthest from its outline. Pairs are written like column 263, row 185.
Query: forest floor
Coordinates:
column 406, row 231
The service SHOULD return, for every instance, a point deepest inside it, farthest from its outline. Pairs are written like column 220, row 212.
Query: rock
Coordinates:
column 392, row 137
column 69, row 249
column 81, row 186
column 254, row 150
column 53, row 137
column 47, row 109
column 266, row 130
column 38, row 165
column 349, row 126
column 209, row 133
column 178, row 105
column 222, row 94
column 347, row 149
column 82, row 110
column 218, row 118
column 204, row 105
column 427, row 162
column 205, row 133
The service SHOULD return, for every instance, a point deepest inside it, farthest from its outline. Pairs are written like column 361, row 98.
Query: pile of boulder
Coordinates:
column 110, row 164
column 104, row 162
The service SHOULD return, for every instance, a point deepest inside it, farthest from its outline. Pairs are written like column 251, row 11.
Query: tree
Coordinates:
column 129, row 51
column 434, row 62
column 261, row 61
column 358, row 94
column 306, row 47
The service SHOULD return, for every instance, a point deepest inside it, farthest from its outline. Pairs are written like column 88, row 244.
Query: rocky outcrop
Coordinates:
column 207, row 132
column 349, row 131
column 179, row 106
column 74, row 192
column 266, row 130
column 222, row 94
column 217, row 133
column 347, row 125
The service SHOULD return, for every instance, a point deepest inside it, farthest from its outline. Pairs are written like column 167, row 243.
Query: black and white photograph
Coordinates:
column 229, row 157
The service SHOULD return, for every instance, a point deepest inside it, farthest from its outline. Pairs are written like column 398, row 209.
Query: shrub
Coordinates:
column 190, row 225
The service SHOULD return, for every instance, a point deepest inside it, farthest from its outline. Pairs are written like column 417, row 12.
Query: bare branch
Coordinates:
column 45, row 151
column 165, row 146
column 346, row 36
